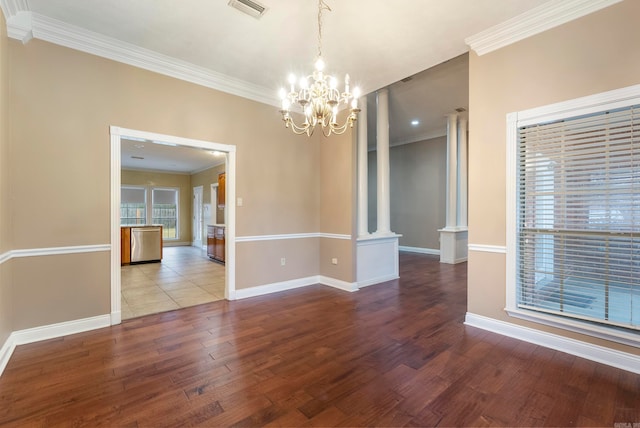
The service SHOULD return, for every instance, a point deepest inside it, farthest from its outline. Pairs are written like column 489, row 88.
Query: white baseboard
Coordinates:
column 275, row 287
column 600, row 354
column 420, row 250
column 261, row 290
column 377, row 280
column 36, row 334
column 5, row 352
column 337, row 283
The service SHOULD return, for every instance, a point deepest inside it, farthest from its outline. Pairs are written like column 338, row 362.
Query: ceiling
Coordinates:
column 378, row 42
column 161, row 156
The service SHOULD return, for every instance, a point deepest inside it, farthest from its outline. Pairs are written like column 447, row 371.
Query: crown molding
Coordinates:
column 532, row 22
column 18, row 19
column 11, row 8
column 23, row 25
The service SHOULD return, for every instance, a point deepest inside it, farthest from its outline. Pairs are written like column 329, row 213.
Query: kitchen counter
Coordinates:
column 134, row 248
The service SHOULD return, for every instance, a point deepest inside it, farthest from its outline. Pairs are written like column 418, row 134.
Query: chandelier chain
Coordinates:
column 321, row 6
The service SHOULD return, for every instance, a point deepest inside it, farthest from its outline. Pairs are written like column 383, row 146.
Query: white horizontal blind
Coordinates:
column 578, row 239
column 133, row 195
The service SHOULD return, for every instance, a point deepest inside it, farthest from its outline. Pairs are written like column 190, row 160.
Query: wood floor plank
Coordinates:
column 392, row 354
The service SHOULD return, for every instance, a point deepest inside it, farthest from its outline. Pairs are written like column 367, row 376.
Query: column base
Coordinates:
column 377, row 259
column 453, row 245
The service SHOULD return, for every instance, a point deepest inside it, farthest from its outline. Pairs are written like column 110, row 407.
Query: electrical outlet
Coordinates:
column 334, row 261
column 283, row 261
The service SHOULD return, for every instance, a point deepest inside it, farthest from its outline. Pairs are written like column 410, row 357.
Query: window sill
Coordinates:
column 607, row 333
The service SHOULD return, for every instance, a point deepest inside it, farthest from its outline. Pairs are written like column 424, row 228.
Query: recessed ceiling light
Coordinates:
column 139, row 146
column 415, row 122
column 216, row 153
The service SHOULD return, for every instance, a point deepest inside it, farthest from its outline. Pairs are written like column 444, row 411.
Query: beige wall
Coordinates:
column 163, row 179
column 63, row 103
column 596, row 53
column 205, row 179
column 77, row 286
column 5, row 225
column 337, row 205
column 417, row 188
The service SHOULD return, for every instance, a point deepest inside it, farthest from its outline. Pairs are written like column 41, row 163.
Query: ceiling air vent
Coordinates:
column 249, row 7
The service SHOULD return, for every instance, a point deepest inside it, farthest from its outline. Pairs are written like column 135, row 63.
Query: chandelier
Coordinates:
column 318, row 97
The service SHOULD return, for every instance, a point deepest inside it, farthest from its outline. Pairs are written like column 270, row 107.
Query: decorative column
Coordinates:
column 454, row 237
column 462, row 176
column 363, row 171
column 452, row 171
column 377, row 253
column 382, row 147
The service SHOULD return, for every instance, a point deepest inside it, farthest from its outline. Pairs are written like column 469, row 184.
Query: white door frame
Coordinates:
column 197, row 219
column 230, row 233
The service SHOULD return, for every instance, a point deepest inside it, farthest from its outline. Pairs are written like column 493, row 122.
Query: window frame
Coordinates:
column 614, row 99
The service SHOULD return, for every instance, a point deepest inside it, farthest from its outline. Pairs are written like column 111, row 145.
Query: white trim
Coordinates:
column 500, row 249
column 54, row 251
column 373, row 237
column 578, row 326
column 616, row 98
column 27, row 24
column 419, row 250
column 378, row 280
column 275, row 287
column 339, row 284
column 50, row 331
column 537, row 20
column 10, row 8
column 511, row 204
column 600, row 354
column 291, row 236
column 5, row 353
column 66, row 328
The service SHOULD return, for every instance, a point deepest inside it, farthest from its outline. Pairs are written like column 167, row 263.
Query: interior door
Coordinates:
column 198, row 225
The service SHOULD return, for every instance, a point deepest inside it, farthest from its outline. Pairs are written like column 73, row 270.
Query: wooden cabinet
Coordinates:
column 215, row 242
column 125, row 245
column 222, row 189
column 210, row 241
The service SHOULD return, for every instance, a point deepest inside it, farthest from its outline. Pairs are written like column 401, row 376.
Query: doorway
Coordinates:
column 198, row 217
column 117, row 134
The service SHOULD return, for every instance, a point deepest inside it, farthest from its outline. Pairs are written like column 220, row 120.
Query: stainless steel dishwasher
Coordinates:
column 146, row 244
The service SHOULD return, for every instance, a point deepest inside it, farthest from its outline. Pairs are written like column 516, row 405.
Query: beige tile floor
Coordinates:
column 185, row 277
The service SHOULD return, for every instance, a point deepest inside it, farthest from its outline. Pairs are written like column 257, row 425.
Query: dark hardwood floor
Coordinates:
column 394, row 354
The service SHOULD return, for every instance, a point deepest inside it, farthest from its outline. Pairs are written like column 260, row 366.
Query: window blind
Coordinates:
column 133, row 195
column 578, row 219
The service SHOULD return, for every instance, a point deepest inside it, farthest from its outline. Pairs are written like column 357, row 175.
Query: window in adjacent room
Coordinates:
column 165, row 211
column 574, row 212
column 133, row 205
